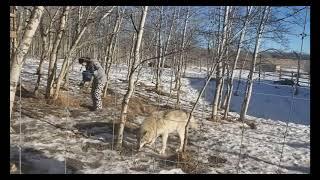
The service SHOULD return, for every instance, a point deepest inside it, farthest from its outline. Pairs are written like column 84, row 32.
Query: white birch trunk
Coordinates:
column 18, row 56
column 127, row 96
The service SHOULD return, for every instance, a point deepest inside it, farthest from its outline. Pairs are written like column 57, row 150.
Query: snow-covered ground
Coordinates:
column 243, row 150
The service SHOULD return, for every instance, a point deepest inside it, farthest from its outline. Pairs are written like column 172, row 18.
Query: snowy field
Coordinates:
column 274, row 146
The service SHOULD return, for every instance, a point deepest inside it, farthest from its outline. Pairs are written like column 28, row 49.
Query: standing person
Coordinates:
column 94, row 68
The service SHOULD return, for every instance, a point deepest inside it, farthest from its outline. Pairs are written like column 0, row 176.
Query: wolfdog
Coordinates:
column 162, row 123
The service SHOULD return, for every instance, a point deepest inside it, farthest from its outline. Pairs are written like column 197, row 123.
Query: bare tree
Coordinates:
column 234, row 65
column 260, row 29
column 130, row 55
column 180, row 61
column 166, row 47
column 46, row 39
column 130, row 90
column 159, row 51
column 13, row 30
column 22, row 49
column 54, row 51
column 111, row 48
column 219, row 72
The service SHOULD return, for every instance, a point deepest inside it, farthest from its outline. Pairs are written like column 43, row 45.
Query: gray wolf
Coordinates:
column 163, row 123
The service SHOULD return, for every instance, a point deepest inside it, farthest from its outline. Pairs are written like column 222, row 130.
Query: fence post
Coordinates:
column 260, row 68
column 280, row 73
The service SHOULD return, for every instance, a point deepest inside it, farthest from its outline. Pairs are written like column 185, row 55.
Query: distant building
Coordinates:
column 306, row 66
column 269, row 67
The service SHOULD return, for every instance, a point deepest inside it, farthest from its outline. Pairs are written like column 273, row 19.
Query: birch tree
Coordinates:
column 127, row 96
column 260, row 29
column 22, row 49
column 180, row 61
column 219, row 71
column 159, row 51
column 54, row 51
column 46, row 39
column 111, row 48
column 234, row 65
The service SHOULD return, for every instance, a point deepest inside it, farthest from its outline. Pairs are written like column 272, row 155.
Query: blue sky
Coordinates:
column 295, row 40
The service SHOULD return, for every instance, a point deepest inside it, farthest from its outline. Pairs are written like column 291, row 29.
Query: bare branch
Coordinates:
column 107, row 13
column 134, row 26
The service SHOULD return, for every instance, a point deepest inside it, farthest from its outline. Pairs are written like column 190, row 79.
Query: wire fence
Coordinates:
column 202, row 113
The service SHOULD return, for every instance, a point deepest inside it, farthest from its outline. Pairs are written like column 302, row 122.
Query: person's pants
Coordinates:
column 96, row 95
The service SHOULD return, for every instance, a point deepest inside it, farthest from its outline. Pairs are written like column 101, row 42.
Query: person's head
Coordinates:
column 84, row 60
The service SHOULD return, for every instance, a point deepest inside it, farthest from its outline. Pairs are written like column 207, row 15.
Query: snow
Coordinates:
column 172, row 171
column 280, row 138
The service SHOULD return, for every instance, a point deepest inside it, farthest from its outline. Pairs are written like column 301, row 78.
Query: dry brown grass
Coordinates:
column 188, row 162
column 65, row 100
column 138, row 106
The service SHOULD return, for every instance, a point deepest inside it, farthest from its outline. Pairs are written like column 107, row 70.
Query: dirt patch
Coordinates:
column 94, row 165
column 127, row 149
column 215, row 119
column 74, row 164
column 110, row 100
column 16, row 127
column 251, row 124
column 65, row 100
column 139, row 107
column 25, row 93
column 97, row 146
column 75, row 113
column 186, row 161
column 216, row 161
column 140, row 168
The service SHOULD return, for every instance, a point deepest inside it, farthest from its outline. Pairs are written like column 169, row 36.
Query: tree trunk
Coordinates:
column 246, row 101
column 230, row 81
column 131, row 55
column 178, row 78
column 222, row 85
column 168, row 39
column 160, row 53
column 111, row 51
column 13, row 31
column 127, row 96
column 44, row 55
column 219, row 72
column 225, row 97
column 54, row 51
column 18, row 56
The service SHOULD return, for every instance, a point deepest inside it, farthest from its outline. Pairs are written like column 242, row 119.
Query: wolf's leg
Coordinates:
column 152, row 141
column 181, row 135
column 164, row 143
